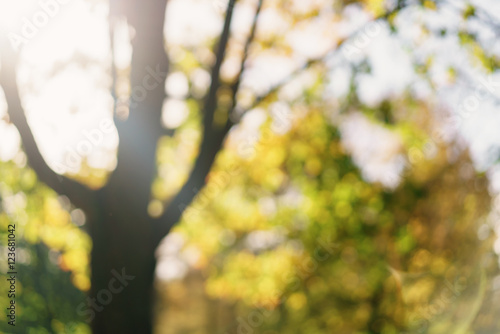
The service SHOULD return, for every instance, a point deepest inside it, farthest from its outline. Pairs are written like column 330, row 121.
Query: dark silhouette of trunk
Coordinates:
column 123, row 234
column 123, row 264
column 122, row 231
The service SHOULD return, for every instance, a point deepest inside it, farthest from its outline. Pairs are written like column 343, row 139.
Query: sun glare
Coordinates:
column 11, row 13
column 62, row 78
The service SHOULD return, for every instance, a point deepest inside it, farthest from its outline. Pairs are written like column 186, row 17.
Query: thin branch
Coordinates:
column 235, row 87
column 211, row 98
column 212, row 140
column 78, row 194
column 286, row 80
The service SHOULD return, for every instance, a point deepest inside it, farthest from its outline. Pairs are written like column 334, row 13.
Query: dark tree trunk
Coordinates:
column 124, row 236
column 123, row 252
column 122, row 265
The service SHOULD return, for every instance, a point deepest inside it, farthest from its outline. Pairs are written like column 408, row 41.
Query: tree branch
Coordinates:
column 213, row 137
column 286, row 80
column 211, row 98
column 79, row 195
column 235, row 87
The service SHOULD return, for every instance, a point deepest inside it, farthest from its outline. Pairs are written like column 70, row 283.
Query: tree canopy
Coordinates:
column 320, row 167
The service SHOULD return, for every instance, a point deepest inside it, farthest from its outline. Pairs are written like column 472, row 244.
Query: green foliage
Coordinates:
column 51, row 255
column 329, row 259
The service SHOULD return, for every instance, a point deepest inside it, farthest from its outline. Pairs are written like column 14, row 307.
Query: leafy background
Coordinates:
column 356, row 199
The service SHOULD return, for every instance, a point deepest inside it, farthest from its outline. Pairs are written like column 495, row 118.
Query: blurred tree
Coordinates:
column 126, row 227
column 349, row 256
